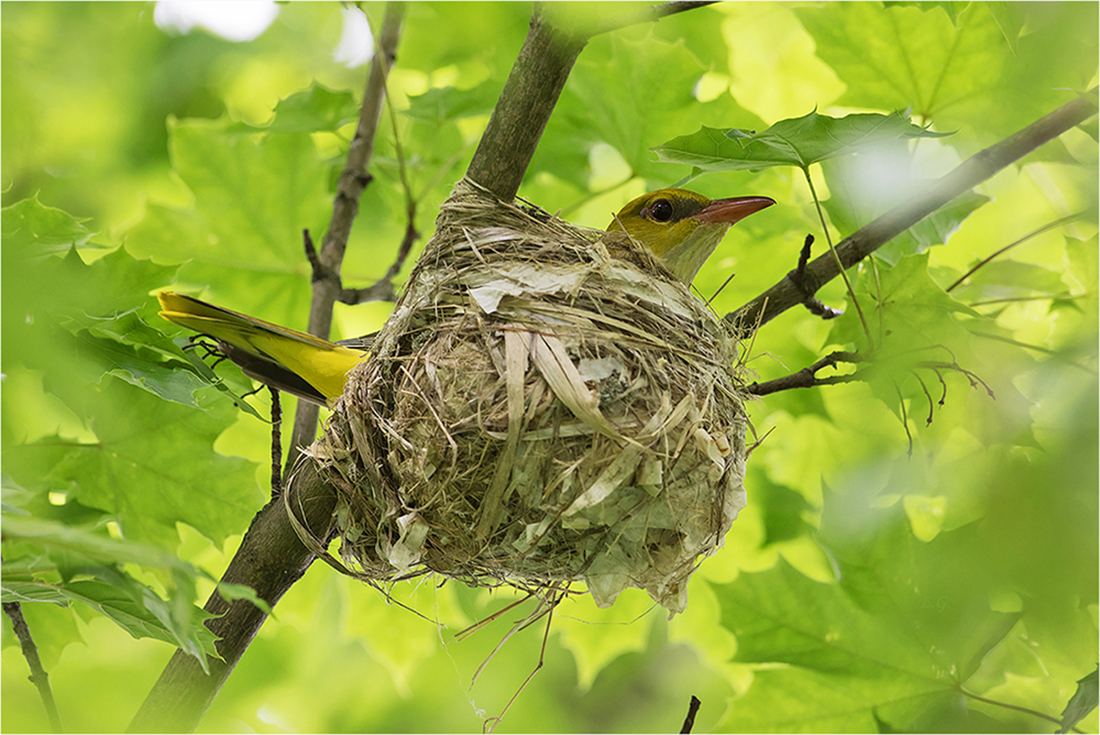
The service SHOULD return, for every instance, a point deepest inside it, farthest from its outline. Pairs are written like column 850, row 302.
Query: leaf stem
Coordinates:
column 836, row 258
column 967, row 693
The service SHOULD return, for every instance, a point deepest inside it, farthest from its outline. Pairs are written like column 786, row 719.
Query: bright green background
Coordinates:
column 867, row 577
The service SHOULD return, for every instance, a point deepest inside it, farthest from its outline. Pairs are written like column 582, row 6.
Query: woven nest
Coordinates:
column 546, row 404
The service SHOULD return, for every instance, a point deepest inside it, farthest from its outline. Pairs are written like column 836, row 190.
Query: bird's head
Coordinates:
column 683, row 228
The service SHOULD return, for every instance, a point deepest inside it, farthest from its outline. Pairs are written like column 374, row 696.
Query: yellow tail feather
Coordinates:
column 272, row 354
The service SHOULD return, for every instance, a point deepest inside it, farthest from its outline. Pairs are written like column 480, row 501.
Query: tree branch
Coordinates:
column 985, row 261
column 869, row 238
column 271, row 558
column 38, row 677
column 652, row 14
column 353, row 180
column 524, row 107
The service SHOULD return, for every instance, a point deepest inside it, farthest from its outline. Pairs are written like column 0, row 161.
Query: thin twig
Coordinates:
column 353, row 180
column 807, row 377
column 276, row 444
column 1036, row 348
column 546, row 607
column 928, row 395
column 38, row 677
column 798, row 277
column 693, row 709
column 383, row 289
column 720, row 288
column 1049, row 226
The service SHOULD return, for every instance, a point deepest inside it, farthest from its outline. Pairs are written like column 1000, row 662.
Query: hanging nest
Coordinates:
column 546, row 404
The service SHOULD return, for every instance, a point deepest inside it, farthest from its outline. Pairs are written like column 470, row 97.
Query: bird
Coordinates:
column 682, row 228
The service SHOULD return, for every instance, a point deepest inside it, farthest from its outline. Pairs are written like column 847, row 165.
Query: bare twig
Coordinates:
column 869, row 238
column 807, row 376
column 276, row 443
column 720, row 288
column 693, row 709
column 798, row 278
column 353, row 180
column 545, row 607
column 1049, row 226
column 383, row 289
column 38, row 677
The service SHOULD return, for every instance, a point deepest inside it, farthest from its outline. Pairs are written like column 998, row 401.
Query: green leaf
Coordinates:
column 963, row 78
column 131, row 350
column 232, row 592
column 151, row 467
column 935, row 229
column 445, row 104
column 248, row 227
column 150, row 464
column 908, row 309
column 887, row 642
column 32, row 225
column 821, row 664
column 926, row 351
column 1082, row 702
column 59, row 536
column 16, row 591
column 138, row 611
column 312, row 110
column 254, row 194
column 951, row 7
column 81, row 554
column 646, row 102
column 794, row 142
column 784, row 511
column 1009, row 279
column 1010, row 19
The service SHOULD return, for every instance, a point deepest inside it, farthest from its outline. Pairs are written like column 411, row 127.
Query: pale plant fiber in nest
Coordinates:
column 546, row 404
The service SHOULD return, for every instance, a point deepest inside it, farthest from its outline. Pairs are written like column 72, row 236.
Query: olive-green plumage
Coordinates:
column 681, row 227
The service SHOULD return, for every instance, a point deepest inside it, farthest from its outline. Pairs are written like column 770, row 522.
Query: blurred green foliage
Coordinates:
column 910, row 541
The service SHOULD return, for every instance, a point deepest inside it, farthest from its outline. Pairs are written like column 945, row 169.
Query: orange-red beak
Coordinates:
column 733, row 209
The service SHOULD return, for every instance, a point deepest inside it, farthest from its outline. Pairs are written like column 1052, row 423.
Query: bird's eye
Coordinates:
column 661, row 210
